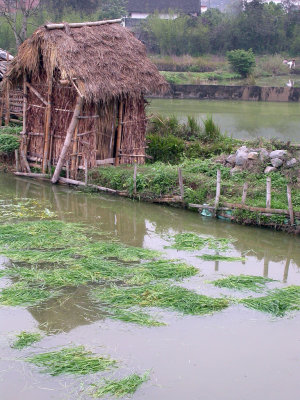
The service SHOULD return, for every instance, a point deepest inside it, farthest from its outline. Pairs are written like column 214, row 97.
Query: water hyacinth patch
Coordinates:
column 243, row 282
column 25, row 339
column 120, row 388
column 73, row 360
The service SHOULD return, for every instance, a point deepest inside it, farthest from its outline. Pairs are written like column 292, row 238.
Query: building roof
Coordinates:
column 105, row 61
column 150, row 6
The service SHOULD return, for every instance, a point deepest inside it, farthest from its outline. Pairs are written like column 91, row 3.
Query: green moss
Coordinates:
column 278, row 302
column 25, row 339
column 120, row 388
column 243, row 282
column 75, row 360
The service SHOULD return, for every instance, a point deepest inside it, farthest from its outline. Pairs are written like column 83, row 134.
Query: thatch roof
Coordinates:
column 106, row 61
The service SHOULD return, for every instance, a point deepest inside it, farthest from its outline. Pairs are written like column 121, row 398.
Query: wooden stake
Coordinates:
column 218, row 190
column 268, row 194
column 290, row 204
column 17, row 161
column 180, row 179
column 134, row 179
column 86, row 171
column 245, row 189
column 47, row 128
column 119, row 134
column 68, row 139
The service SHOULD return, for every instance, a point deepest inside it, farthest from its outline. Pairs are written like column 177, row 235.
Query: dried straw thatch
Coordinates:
column 107, row 61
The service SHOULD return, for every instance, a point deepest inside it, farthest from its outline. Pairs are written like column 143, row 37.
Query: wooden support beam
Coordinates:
column 82, row 24
column 74, row 154
column 119, row 134
column 70, row 132
column 47, row 138
column 37, row 94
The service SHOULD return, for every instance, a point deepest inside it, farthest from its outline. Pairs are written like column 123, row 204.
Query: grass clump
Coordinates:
column 242, row 282
column 75, row 360
column 22, row 295
column 191, row 241
column 278, row 302
column 120, row 388
column 217, row 257
column 135, row 317
column 161, row 295
column 25, row 339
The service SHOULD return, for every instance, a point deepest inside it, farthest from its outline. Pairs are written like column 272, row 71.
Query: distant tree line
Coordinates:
column 263, row 27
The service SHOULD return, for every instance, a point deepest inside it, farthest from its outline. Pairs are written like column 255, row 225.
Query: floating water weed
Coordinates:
column 120, row 388
column 216, row 257
column 191, row 242
column 277, row 303
column 25, row 339
column 243, row 282
column 23, row 209
column 166, row 269
column 22, row 295
column 135, row 317
column 160, row 295
column 74, row 360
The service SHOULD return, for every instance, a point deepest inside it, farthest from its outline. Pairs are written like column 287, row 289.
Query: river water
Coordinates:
column 236, row 354
column 239, row 119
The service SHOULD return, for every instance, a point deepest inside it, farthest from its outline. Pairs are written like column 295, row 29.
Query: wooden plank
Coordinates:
column 82, row 24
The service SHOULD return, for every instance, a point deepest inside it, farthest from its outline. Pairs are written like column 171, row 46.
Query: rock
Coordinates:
column 291, row 163
column 276, row 162
column 231, row 159
column 236, row 169
column 241, row 156
column 263, row 154
column 270, row 169
column 253, row 155
column 278, row 154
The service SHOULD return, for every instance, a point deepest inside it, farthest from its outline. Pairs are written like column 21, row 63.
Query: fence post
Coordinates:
column 17, row 160
column 218, row 191
column 289, row 198
column 180, row 179
column 134, row 178
column 268, row 195
column 245, row 189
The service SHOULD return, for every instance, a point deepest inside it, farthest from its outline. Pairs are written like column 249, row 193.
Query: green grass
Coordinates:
column 217, row 257
column 120, row 388
column 134, row 317
column 74, row 360
column 278, row 302
column 162, row 296
column 22, row 295
column 243, row 282
column 191, row 242
column 26, row 339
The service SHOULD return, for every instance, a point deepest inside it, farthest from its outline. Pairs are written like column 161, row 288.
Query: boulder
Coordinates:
column 253, row 155
column 278, row 154
column 276, row 162
column 291, row 163
column 270, row 169
column 231, row 159
column 241, row 156
column 263, row 154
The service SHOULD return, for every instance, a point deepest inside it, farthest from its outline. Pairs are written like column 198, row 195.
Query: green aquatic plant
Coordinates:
column 120, row 388
column 217, row 257
column 74, row 360
column 278, row 302
column 191, row 242
column 26, row 339
column 20, row 294
column 24, row 209
column 243, row 282
column 160, row 295
column 134, row 317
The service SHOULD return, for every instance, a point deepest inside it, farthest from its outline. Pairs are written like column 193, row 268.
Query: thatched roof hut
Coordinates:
column 84, row 88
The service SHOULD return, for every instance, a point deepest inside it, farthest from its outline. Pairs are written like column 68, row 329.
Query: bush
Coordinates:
column 241, row 61
column 165, row 148
column 8, row 143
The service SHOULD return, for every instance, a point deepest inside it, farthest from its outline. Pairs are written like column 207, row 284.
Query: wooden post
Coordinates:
column 119, row 134
column 68, row 139
column 180, row 179
column 68, row 169
column 134, row 178
column 47, row 127
column 268, row 194
column 218, row 191
column 245, row 189
column 17, row 160
column 24, row 160
column 290, row 204
column 86, row 171
column 74, row 154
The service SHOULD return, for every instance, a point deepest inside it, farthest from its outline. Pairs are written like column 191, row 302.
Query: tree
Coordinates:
column 112, row 9
column 17, row 14
column 58, row 7
column 241, row 61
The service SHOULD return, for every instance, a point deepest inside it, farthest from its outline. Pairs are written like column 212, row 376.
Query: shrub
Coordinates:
column 8, row 143
column 241, row 61
column 167, row 148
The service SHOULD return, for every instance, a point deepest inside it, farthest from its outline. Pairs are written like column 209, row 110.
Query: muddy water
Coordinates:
column 237, row 354
column 239, row 119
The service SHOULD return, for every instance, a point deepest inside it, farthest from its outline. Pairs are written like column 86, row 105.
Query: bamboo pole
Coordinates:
column 245, row 189
column 38, row 95
column 7, row 106
column 290, row 204
column 74, row 153
column 32, row 175
column 181, row 187
column 119, row 134
column 134, row 178
column 81, row 24
column 68, row 139
column 218, row 190
column 268, row 193
column 47, row 138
